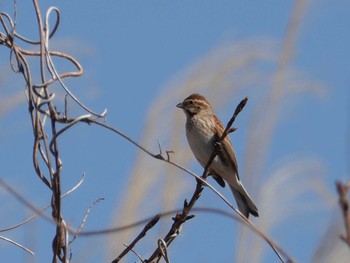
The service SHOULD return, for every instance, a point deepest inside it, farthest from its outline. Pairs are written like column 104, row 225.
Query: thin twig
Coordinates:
column 17, row 244
column 163, row 250
column 287, row 258
column 38, row 212
column 344, row 205
column 147, row 227
column 137, row 254
column 84, row 219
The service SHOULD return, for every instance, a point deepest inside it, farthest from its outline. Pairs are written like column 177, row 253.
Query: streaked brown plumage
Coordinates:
column 203, row 129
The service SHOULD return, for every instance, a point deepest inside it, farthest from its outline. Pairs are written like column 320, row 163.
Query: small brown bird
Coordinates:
column 203, row 129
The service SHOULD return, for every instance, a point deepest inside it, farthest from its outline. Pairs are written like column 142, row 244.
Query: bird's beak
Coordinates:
column 180, row 105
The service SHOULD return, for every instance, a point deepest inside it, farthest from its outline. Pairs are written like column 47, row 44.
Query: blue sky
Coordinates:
column 131, row 53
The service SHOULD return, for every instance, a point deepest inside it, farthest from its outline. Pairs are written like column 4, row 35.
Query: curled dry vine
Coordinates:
column 45, row 118
column 43, row 110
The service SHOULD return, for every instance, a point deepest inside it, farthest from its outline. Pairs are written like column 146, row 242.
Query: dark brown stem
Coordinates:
column 129, row 248
column 344, row 205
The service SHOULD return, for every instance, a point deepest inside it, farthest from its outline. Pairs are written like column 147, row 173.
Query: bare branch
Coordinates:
column 147, row 227
column 37, row 211
column 140, row 258
column 84, row 219
column 274, row 245
column 344, row 205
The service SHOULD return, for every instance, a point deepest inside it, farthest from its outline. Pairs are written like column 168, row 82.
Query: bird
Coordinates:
column 203, row 129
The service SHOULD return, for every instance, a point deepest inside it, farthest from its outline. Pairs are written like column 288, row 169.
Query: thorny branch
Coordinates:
column 45, row 117
column 344, row 205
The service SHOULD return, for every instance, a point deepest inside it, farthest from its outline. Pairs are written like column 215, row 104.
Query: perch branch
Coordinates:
column 344, row 205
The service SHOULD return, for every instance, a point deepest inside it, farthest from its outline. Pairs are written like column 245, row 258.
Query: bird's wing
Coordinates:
column 227, row 149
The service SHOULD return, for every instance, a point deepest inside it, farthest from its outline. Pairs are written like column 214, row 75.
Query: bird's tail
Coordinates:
column 244, row 202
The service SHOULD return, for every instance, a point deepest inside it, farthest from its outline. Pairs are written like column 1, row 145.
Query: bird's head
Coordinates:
column 195, row 104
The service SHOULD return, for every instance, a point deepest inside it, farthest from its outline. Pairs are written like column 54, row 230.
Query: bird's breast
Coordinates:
column 200, row 137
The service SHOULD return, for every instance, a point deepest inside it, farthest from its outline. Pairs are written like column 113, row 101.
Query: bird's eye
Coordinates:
column 190, row 102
